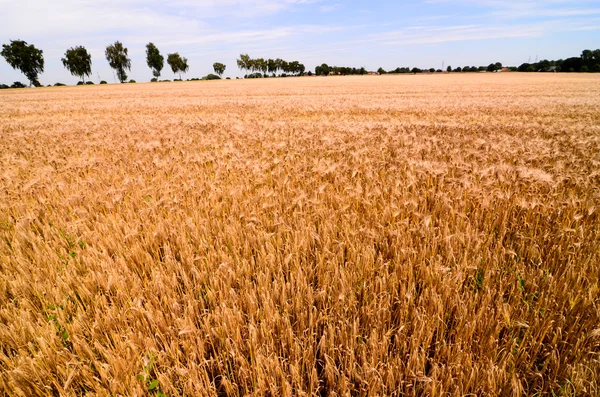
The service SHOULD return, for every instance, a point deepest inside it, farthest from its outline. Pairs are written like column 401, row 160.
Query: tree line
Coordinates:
column 325, row 70
column 492, row 67
column 78, row 61
column 588, row 61
column 260, row 67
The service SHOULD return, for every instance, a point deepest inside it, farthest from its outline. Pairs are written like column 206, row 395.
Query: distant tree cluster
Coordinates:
column 407, row 70
column 261, row 67
column 589, row 61
column 326, row 70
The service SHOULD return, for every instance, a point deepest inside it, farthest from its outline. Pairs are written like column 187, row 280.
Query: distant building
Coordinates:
column 373, row 73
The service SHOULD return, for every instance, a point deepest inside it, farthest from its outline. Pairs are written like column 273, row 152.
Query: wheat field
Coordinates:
column 341, row 236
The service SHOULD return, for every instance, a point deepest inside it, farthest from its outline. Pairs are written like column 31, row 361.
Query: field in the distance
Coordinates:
column 385, row 235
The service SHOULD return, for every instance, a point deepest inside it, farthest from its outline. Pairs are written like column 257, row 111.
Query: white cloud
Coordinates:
column 444, row 34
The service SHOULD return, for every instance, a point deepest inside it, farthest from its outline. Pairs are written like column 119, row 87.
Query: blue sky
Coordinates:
column 389, row 34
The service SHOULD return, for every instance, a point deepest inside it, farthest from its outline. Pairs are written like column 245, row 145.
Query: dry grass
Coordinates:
column 410, row 235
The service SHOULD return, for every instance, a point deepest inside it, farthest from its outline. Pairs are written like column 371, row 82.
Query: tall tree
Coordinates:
column 278, row 65
column 177, row 63
column 28, row 59
column 293, row 67
column 78, row 62
column 244, row 63
column 272, row 66
column 261, row 65
column 117, row 58
column 219, row 68
column 154, row 59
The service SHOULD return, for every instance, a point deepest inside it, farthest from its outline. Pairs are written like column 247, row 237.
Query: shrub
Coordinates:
column 195, row 79
column 3, row 86
column 211, row 77
column 18, row 84
column 89, row 83
column 103, row 82
column 154, row 80
column 310, row 73
column 80, row 83
column 164, row 81
column 177, row 80
column 254, row 76
column 227, row 78
column 596, row 68
column 132, row 81
column 59, row 85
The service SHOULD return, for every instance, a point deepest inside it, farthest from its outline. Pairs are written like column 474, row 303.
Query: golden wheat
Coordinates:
column 397, row 235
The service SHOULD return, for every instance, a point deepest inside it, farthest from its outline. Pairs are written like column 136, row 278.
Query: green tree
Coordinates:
column 294, row 67
column 117, row 58
column 154, row 59
column 28, row 59
column 219, row 68
column 78, row 62
column 177, row 63
column 323, row 70
column 272, row 66
column 260, row 65
column 449, row 69
column 278, row 64
column 587, row 55
column 301, row 69
column 244, row 63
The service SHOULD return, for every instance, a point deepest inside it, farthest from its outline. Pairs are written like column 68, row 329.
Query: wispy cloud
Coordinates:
column 444, row 34
column 330, row 7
